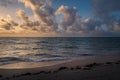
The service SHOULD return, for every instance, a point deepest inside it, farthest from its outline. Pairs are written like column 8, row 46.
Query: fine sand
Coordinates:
column 95, row 68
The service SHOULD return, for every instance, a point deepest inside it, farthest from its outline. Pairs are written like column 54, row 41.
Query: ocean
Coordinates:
column 56, row 49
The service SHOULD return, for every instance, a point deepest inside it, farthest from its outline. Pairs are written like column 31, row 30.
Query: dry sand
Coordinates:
column 96, row 68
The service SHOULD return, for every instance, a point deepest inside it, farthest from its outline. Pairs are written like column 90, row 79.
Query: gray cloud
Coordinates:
column 46, row 18
column 5, row 3
column 43, row 12
column 89, row 25
column 72, row 22
column 22, row 15
column 105, row 9
column 7, row 24
column 105, row 20
column 69, row 16
column 27, row 23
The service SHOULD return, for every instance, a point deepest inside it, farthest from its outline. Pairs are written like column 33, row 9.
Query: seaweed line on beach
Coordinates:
column 86, row 67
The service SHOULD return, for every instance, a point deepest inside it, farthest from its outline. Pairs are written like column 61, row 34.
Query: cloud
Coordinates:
column 116, row 27
column 22, row 15
column 107, row 11
column 27, row 23
column 8, row 23
column 45, row 20
column 5, row 3
column 43, row 11
column 72, row 22
column 89, row 25
column 69, row 16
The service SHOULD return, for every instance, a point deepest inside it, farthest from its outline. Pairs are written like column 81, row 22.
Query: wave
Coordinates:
column 41, row 42
column 11, row 59
column 48, row 55
column 14, row 59
column 51, row 59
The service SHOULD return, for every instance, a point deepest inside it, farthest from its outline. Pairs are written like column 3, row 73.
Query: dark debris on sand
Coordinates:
column 90, row 66
column 60, row 69
column 78, row 67
column 108, row 62
column 87, row 67
column 1, row 76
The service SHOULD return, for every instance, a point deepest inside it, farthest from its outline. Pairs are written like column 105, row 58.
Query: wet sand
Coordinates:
column 98, row 68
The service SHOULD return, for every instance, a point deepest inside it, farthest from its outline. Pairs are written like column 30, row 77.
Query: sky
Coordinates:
column 59, row 18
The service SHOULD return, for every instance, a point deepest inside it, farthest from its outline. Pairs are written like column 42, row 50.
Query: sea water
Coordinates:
column 56, row 48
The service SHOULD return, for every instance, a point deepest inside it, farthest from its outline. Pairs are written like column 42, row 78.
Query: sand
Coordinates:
column 95, row 68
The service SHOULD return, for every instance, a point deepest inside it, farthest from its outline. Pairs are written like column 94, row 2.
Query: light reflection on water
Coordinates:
column 53, row 49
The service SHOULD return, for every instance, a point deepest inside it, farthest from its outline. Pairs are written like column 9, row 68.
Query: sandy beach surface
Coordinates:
column 95, row 68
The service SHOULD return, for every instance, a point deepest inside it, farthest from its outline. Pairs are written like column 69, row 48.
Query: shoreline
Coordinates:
column 65, row 67
column 79, row 61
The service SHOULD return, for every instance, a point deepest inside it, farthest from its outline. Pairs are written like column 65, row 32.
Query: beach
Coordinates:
column 60, row 58
column 59, row 39
column 98, row 68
